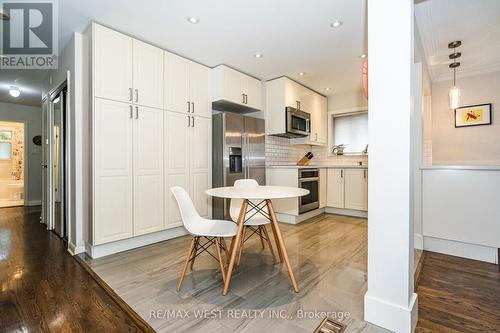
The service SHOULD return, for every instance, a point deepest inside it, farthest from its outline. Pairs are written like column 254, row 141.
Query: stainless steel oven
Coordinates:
column 298, row 123
column 309, row 180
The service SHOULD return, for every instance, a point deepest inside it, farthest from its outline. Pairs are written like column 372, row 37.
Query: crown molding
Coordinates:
column 468, row 73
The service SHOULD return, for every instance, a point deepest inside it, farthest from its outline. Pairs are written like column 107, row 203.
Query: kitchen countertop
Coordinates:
column 462, row 167
column 317, row 166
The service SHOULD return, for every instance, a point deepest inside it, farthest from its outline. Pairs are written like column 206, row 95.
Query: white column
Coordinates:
column 390, row 301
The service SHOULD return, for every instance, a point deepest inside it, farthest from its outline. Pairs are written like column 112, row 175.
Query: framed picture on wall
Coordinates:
column 473, row 115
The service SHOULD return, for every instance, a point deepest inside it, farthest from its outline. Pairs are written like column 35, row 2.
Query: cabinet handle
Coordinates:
column 130, row 94
column 364, row 174
column 189, row 121
column 136, row 112
column 193, row 121
column 137, row 95
column 316, row 136
column 189, row 107
column 341, row 173
column 246, row 99
column 192, row 109
column 243, row 98
column 130, row 115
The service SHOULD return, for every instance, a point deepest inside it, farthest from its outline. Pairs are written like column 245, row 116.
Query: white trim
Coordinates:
column 468, row 73
column 346, row 111
column 392, row 316
column 347, row 212
column 418, row 241
column 34, row 203
column 73, row 249
column 459, row 249
column 99, row 251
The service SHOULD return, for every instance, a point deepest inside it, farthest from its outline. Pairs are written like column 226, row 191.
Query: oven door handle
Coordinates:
column 311, row 179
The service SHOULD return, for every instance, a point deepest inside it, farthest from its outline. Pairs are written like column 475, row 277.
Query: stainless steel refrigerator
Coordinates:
column 238, row 152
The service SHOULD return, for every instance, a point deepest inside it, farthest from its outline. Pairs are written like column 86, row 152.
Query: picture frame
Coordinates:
column 473, row 115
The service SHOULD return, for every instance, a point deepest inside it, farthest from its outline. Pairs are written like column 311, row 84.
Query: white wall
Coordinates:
column 477, row 145
column 347, row 100
column 33, row 118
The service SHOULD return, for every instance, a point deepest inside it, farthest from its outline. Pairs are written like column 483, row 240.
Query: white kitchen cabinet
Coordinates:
column 356, row 189
column 234, row 89
column 315, row 104
column 187, row 162
column 187, row 86
column 148, row 170
column 112, row 64
column 148, row 75
column 335, row 190
column 323, row 179
column 112, row 171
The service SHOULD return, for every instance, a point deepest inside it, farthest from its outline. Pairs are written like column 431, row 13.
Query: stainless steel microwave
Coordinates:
column 298, row 123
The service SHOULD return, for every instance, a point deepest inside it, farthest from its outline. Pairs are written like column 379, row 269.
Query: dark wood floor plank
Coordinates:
column 43, row 288
column 458, row 295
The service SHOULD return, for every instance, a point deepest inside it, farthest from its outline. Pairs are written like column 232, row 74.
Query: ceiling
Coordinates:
column 292, row 35
column 474, row 22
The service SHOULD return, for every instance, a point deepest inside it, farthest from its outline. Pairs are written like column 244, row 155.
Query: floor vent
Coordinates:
column 330, row 326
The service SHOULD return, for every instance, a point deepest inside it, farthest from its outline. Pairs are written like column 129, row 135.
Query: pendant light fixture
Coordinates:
column 454, row 93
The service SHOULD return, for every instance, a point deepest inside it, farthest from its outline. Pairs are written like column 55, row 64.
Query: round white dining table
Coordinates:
column 257, row 198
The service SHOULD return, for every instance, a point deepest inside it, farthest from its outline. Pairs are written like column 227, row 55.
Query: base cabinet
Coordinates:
column 348, row 189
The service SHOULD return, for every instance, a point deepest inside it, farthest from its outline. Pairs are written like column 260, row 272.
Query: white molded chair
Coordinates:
column 255, row 223
column 211, row 230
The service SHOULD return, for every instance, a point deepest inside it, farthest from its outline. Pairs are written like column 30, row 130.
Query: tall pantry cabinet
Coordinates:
column 139, row 146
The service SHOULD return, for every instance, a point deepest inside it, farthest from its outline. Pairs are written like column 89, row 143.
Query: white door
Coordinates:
column 199, row 90
column 356, row 189
column 335, row 190
column 112, row 171
column 233, row 89
column 253, row 89
column 176, row 157
column 148, row 170
column 323, row 179
column 112, row 65
column 148, row 75
column 200, row 155
column 176, row 83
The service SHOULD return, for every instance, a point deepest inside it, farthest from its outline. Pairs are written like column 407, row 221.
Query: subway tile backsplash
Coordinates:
column 279, row 151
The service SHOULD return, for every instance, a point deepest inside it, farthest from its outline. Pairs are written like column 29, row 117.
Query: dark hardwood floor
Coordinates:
column 458, row 295
column 44, row 289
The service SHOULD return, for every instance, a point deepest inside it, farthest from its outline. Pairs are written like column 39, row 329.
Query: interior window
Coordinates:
column 352, row 131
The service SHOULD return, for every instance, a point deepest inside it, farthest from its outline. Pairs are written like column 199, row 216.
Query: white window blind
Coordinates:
column 352, row 131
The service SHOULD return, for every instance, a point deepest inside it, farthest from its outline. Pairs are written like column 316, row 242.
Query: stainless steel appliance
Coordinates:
column 298, row 123
column 238, row 152
column 309, row 180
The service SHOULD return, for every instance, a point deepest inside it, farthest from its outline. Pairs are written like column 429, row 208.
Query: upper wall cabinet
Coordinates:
column 235, row 91
column 187, row 86
column 127, row 70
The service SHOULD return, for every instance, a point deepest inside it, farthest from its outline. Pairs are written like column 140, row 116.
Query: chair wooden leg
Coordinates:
column 241, row 246
column 264, row 229
column 219, row 255
column 223, row 242
column 276, row 241
column 188, row 258
column 196, row 244
column 261, row 235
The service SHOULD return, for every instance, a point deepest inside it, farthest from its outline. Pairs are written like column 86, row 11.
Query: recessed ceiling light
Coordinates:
column 327, row 89
column 362, row 56
column 258, row 55
column 193, row 20
column 14, row 91
column 336, row 24
column 302, row 73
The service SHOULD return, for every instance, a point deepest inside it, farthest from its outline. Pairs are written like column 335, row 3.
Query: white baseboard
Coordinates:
column 391, row 316
column 418, row 241
column 459, row 249
column 34, row 203
column 294, row 219
column 348, row 212
column 103, row 250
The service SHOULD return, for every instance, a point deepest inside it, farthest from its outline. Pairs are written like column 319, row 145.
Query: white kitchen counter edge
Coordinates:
column 462, row 167
column 317, row 166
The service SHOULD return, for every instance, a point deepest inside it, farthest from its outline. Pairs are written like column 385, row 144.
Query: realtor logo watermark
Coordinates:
column 29, row 34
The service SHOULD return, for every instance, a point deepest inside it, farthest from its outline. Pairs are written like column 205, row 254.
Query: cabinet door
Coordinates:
column 356, row 189
column 322, row 120
column 148, row 75
column 176, row 162
column 335, row 190
column 200, row 147
column 176, row 83
column 112, row 65
column 148, row 170
column 253, row 89
column 112, row 171
column 233, row 90
column 291, row 93
column 322, row 187
column 199, row 90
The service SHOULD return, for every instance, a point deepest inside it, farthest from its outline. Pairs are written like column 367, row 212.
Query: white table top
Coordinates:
column 257, row 193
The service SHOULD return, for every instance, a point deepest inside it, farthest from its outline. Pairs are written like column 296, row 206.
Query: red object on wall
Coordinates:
column 365, row 77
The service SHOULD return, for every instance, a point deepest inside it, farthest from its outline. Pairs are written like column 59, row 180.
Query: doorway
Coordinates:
column 12, row 164
column 55, row 152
